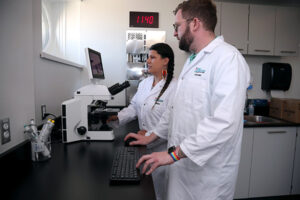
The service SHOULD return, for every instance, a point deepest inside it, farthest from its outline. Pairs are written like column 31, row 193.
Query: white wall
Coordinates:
column 103, row 28
column 26, row 80
column 16, row 64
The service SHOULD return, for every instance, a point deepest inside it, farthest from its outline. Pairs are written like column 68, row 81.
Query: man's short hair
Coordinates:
column 204, row 10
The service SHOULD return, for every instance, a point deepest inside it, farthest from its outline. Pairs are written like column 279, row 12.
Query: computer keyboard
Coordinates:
column 123, row 168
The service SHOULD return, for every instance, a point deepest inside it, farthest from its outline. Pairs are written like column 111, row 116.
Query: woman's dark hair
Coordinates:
column 165, row 51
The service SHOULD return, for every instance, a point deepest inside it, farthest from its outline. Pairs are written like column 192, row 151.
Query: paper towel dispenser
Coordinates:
column 276, row 76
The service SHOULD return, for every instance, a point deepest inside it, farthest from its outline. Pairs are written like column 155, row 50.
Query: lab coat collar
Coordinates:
column 158, row 86
column 213, row 44
column 208, row 49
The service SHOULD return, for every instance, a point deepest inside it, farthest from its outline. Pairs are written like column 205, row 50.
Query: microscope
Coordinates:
column 84, row 117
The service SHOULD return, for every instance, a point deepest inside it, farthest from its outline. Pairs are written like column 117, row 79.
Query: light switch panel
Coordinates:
column 5, row 131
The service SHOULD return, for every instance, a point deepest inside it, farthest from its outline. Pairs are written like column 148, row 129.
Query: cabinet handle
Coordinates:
column 276, row 132
column 261, row 50
column 241, row 49
column 287, row 51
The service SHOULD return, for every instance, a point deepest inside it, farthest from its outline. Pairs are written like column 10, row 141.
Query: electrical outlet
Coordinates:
column 5, row 130
column 43, row 109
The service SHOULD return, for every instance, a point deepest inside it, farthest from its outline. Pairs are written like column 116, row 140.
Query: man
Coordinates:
column 205, row 124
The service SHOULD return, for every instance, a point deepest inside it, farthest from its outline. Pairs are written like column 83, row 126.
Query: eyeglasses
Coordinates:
column 175, row 26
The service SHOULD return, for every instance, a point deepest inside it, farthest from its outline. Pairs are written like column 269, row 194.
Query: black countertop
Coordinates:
column 248, row 124
column 277, row 123
column 78, row 170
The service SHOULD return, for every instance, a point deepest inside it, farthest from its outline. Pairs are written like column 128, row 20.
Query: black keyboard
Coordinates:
column 123, row 169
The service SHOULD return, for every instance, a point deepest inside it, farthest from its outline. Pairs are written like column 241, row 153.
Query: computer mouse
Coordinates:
column 128, row 141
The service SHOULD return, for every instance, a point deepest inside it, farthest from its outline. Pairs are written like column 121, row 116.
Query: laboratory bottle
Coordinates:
column 251, row 108
column 46, row 130
column 33, row 126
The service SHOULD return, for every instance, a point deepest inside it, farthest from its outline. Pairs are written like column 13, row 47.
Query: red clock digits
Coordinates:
column 144, row 19
column 151, row 20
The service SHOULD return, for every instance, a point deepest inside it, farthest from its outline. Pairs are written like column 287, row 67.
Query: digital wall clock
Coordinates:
column 143, row 19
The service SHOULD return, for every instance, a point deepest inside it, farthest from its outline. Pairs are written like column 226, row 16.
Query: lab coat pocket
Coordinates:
column 198, row 90
column 159, row 107
column 188, row 165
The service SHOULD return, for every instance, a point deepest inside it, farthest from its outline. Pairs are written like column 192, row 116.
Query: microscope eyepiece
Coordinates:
column 116, row 88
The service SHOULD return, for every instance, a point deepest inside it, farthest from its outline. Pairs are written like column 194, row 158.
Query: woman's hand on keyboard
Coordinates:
column 142, row 132
column 140, row 139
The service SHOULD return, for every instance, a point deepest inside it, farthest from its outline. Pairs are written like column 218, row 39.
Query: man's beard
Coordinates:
column 186, row 40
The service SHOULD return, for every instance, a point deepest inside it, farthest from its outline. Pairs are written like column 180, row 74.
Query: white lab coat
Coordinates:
column 206, row 120
column 141, row 106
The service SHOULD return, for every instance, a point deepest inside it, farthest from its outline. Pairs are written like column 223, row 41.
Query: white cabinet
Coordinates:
column 261, row 30
column 287, row 31
column 234, row 25
column 218, row 25
column 272, row 161
column 296, row 174
column 242, row 185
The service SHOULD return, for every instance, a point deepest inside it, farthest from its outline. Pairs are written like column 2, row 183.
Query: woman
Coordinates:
column 150, row 102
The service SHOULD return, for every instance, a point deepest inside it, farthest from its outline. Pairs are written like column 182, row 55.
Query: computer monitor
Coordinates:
column 94, row 64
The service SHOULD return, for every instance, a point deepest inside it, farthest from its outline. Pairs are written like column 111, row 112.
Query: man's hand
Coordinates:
column 154, row 160
column 142, row 132
column 140, row 139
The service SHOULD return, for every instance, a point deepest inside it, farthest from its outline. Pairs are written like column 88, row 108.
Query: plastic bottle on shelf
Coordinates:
column 251, row 108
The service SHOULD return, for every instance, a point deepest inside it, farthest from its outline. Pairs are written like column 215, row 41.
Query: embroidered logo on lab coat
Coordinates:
column 198, row 71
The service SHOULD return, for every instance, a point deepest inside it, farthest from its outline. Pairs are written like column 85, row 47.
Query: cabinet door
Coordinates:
column 287, row 31
column 272, row 161
column 218, row 25
column 296, row 174
column 242, row 185
column 261, row 30
column 234, row 24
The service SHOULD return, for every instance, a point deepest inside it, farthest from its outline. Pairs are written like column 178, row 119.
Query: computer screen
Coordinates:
column 94, row 64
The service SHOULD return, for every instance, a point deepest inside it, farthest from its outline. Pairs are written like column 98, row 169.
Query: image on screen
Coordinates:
column 96, row 64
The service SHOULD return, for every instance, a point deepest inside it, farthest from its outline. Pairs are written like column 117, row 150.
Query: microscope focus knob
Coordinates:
column 81, row 130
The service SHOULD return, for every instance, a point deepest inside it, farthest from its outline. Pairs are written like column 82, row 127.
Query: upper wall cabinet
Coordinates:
column 218, row 25
column 261, row 30
column 234, row 25
column 287, row 31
